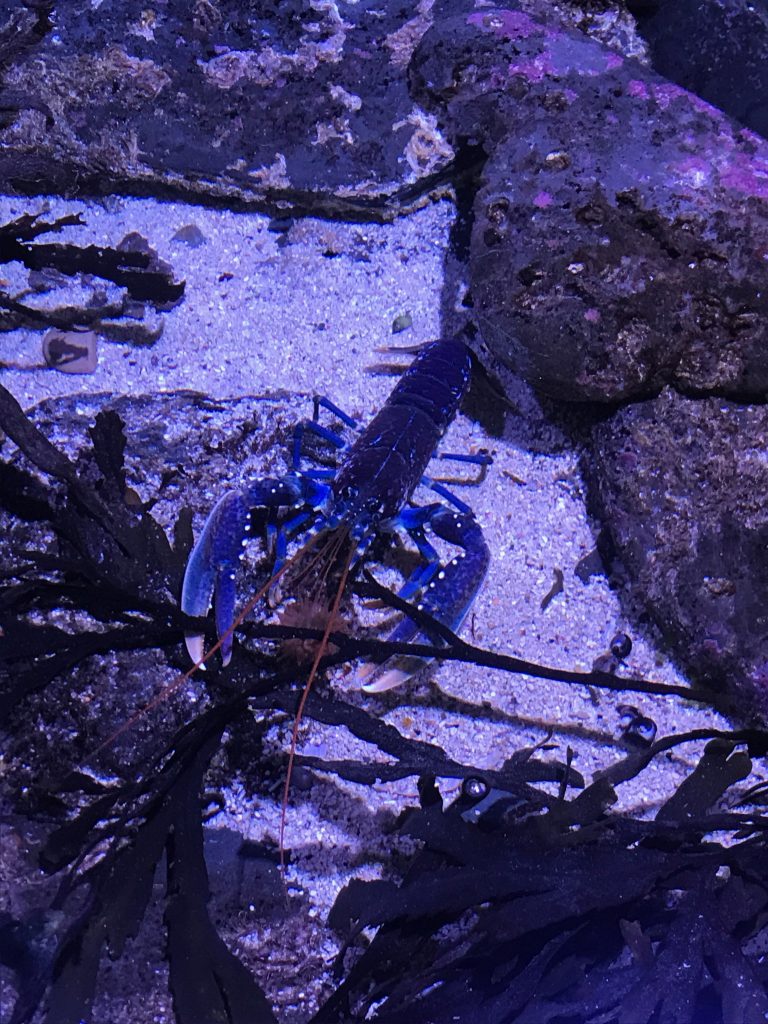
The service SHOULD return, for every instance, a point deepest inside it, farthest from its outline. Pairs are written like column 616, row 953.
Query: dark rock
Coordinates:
column 715, row 48
column 588, row 566
column 252, row 868
column 681, row 485
column 242, row 102
column 620, row 234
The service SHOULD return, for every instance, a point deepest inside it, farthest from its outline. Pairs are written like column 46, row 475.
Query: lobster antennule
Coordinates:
column 448, row 597
column 322, row 648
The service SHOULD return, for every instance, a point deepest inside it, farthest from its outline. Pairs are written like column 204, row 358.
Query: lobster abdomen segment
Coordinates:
column 385, row 464
column 435, row 382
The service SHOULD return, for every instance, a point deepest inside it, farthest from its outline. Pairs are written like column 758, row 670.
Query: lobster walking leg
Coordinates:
column 315, row 427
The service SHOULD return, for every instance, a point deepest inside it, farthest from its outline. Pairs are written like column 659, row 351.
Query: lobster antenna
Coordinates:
column 405, row 350
column 179, row 680
column 321, row 650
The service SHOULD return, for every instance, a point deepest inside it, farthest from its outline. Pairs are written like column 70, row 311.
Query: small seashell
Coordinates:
column 475, row 788
column 71, row 351
column 402, row 323
column 634, row 728
column 621, row 646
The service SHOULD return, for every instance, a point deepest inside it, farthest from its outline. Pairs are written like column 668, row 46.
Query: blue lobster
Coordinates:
column 369, row 494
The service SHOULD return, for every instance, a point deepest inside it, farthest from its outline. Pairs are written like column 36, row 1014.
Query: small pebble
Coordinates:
column 302, row 778
column 279, row 225
column 605, row 663
column 191, row 235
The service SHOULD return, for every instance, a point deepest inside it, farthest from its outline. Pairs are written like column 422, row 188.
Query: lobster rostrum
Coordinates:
column 342, row 511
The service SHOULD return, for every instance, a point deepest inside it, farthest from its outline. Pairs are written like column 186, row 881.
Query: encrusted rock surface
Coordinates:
column 620, row 249
column 213, row 99
column 620, row 236
column 682, row 484
column 716, row 48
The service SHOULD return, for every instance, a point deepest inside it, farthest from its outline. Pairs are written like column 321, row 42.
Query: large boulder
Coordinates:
column 681, row 484
column 620, row 238
column 619, row 253
column 296, row 103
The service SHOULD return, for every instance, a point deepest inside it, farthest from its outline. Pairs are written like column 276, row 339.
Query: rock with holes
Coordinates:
column 620, row 239
column 681, row 483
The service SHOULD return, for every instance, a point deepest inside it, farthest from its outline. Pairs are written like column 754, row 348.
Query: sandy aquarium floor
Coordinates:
column 306, row 316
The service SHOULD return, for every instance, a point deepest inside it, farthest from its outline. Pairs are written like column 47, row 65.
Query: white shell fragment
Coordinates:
column 71, row 351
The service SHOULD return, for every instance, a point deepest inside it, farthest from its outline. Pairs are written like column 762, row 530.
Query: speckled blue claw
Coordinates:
column 212, row 566
column 210, row 572
column 448, row 597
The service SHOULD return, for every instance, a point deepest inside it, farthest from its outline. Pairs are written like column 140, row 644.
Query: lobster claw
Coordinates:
column 210, row 572
column 448, row 597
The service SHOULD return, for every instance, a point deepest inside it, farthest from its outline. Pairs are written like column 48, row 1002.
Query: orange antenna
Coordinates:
column 321, row 650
